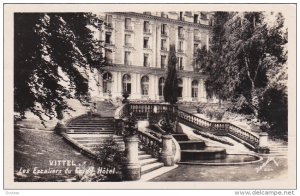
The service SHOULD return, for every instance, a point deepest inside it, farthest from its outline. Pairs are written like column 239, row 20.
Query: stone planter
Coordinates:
column 166, row 156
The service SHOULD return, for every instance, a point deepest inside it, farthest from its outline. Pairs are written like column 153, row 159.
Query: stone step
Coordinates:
column 207, row 153
column 141, row 152
column 144, row 156
column 88, row 132
column 150, row 167
column 180, row 137
column 91, row 128
column 148, row 161
column 91, row 123
column 191, row 145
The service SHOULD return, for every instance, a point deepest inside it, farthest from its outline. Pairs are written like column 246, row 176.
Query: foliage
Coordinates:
column 130, row 125
column 218, row 114
column 171, row 84
column 51, row 55
column 273, row 110
column 244, row 48
column 247, row 57
column 110, row 156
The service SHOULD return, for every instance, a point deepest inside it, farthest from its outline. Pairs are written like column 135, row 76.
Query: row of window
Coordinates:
column 126, row 85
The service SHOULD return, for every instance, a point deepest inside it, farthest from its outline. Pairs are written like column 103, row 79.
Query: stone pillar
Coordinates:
column 132, row 167
column 263, row 144
column 263, row 139
column 166, row 155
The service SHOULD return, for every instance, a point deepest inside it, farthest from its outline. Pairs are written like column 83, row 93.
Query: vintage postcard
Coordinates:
column 149, row 96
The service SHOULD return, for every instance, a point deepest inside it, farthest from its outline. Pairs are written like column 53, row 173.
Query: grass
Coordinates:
column 34, row 148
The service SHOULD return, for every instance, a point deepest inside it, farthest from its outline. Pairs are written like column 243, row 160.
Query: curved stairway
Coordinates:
column 88, row 133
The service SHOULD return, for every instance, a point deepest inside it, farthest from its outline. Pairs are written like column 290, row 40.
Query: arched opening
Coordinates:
column 145, row 85
column 126, row 81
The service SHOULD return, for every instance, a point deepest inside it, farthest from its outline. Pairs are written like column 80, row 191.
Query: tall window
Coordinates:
column 145, row 85
column 197, row 35
column 127, row 58
column 180, row 31
column 164, row 29
column 126, row 83
column 146, row 42
column 128, row 24
column 146, row 60
column 163, row 44
column 146, row 26
column 180, row 63
column 163, row 61
column 109, row 20
column 108, row 38
column 195, row 89
column 181, row 16
column 108, row 56
column 107, row 80
column 195, row 48
column 180, row 46
column 161, row 84
column 180, row 87
column 196, row 18
column 127, row 40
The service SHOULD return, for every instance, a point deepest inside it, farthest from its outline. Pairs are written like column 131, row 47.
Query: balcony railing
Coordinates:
column 109, row 26
column 129, row 28
column 128, row 44
column 108, row 43
column 197, row 38
column 128, row 63
column 164, row 48
column 180, row 50
column 148, row 31
column 181, row 36
column 164, row 34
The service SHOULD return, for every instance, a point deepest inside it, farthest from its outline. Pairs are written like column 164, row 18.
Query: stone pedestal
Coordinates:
column 263, row 139
column 132, row 167
column 263, row 144
column 166, row 155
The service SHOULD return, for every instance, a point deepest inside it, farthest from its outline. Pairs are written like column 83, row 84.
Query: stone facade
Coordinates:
column 139, row 44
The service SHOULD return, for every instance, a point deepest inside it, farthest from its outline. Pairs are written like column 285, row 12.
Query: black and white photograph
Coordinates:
column 151, row 95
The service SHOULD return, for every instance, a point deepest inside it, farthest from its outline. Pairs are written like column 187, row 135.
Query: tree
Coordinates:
column 52, row 51
column 209, row 60
column 171, row 84
column 244, row 48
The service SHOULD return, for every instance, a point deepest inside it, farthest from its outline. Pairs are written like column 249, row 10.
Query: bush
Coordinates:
column 273, row 110
column 218, row 114
column 109, row 156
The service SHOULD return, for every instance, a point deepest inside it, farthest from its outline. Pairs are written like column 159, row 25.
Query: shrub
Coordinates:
column 273, row 110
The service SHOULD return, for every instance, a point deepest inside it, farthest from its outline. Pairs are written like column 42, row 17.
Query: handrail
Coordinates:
column 239, row 132
column 142, row 109
column 149, row 143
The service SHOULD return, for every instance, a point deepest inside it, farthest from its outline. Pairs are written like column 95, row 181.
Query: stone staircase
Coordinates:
column 105, row 109
column 90, row 132
column 193, row 150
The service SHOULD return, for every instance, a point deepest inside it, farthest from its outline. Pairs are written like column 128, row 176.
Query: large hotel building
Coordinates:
column 139, row 46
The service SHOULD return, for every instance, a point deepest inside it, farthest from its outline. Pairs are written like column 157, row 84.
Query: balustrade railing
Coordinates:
column 152, row 144
column 236, row 131
column 149, row 143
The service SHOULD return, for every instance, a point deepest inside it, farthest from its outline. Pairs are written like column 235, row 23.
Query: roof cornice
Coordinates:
column 168, row 20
